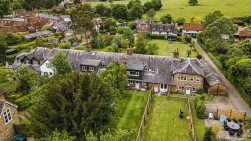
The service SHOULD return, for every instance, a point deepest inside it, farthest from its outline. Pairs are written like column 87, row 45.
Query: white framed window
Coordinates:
column 163, row 86
column 7, row 116
column 182, row 78
column 180, row 87
column 130, row 82
column 195, row 89
column 133, row 73
column 91, row 68
column 84, row 68
column 191, row 79
column 47, row 65
column 103, row 66
column 197, row 79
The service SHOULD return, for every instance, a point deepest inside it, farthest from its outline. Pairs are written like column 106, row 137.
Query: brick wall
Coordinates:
column 188, row 80
column 7, row 131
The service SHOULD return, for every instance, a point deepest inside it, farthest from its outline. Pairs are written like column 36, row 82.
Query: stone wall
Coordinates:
column 7, row 131
column 193, row 83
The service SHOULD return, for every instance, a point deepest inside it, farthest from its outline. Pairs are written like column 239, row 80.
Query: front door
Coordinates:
column 137, row 84
column 187, row 89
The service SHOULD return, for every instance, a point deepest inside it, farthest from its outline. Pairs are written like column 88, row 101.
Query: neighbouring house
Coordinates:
column 238, row 22
column 192, row 29
column 2, row 92
column 9, row 120
column 61, row 26
column 143, row 26
column 33, row 36
column 165, row 74
column 169, row 30
column 97, row 23
column 245, row 33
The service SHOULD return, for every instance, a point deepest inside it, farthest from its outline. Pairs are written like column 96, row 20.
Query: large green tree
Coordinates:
column 116, row 76
column 61, row 63
column 82, row 19
column 136, row 11
column 27, row 79
column 128, row 35
column 193, row 2
column 157, row 4
column 76, row 102
column 211, row 17
column 141, row 43
column 119, row 11
column 166, row 18
column 218, row 34
column 4, row 7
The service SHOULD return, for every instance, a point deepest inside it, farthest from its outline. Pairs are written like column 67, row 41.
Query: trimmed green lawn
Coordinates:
column 199, row 125
column 180, row 8
column 129, row 110
column 164, row 123
column 166, row 47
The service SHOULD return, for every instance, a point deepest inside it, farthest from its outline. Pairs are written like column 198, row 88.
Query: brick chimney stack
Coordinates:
column 129, row 50
column 176, row 53
column 88, row 47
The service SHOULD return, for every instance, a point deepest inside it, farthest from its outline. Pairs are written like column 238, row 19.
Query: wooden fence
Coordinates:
column 231, row 114
column 191, row 120
column 143, row 121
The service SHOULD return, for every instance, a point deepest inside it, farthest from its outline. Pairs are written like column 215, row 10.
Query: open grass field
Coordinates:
column 166, row 48
column 163, row 122
column 180, row 8
column 129, row 110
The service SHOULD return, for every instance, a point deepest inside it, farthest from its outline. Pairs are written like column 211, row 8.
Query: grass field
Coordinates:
column 130, row 109
column 166, row 48
column 163, row 122
column 180, row 8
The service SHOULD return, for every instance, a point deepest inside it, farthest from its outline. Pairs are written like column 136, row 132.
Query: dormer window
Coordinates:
column 197, row 79
column 133, row 73
column 84, row 68
column 35, row 62
column 27, row 61
column 7, row 116
column 91, row 68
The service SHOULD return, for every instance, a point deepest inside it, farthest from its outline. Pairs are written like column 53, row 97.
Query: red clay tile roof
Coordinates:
column 245, row 32
column 193, row 26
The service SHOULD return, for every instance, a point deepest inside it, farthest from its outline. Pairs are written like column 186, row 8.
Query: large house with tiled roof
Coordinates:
column 192, row 29
column 9, row 120
column 165, row 74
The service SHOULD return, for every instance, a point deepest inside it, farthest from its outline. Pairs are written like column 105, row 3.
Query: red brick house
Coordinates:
column 192, row 29
column 8, row 120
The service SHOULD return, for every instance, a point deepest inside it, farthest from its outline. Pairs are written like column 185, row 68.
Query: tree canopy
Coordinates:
column 166, row 18
column 119, row 11
column 193, row 2
column 61, row 63
column 211, row 17
column 58, row 136
column 75, row 102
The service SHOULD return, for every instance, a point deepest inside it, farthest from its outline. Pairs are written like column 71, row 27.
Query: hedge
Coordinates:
column 27, row 100
column 155, row 36
column 216, row 62
column 21, row 47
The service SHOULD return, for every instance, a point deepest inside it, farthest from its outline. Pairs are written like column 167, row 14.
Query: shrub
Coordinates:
column 155, row 36
column 26, row 101
column 64, row 46
column 24, row 126
column 79, row 48
column 216, row 62
column 209, row 135
column 222, row 50
column 200, row 109
column 187, row 39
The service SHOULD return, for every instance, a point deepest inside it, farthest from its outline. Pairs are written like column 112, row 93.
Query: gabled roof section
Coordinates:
column 3, row 103
column 190, row 66
column 193, row 26
column 245, row 32
column 91, row 62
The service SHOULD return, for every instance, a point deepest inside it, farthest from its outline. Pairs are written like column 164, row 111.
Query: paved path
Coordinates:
column 235, row 97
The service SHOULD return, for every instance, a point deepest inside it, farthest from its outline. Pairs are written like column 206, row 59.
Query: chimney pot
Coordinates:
column 129, row 50
column 88, row 47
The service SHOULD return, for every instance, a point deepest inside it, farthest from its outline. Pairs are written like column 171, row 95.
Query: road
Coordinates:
column 234, row 96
